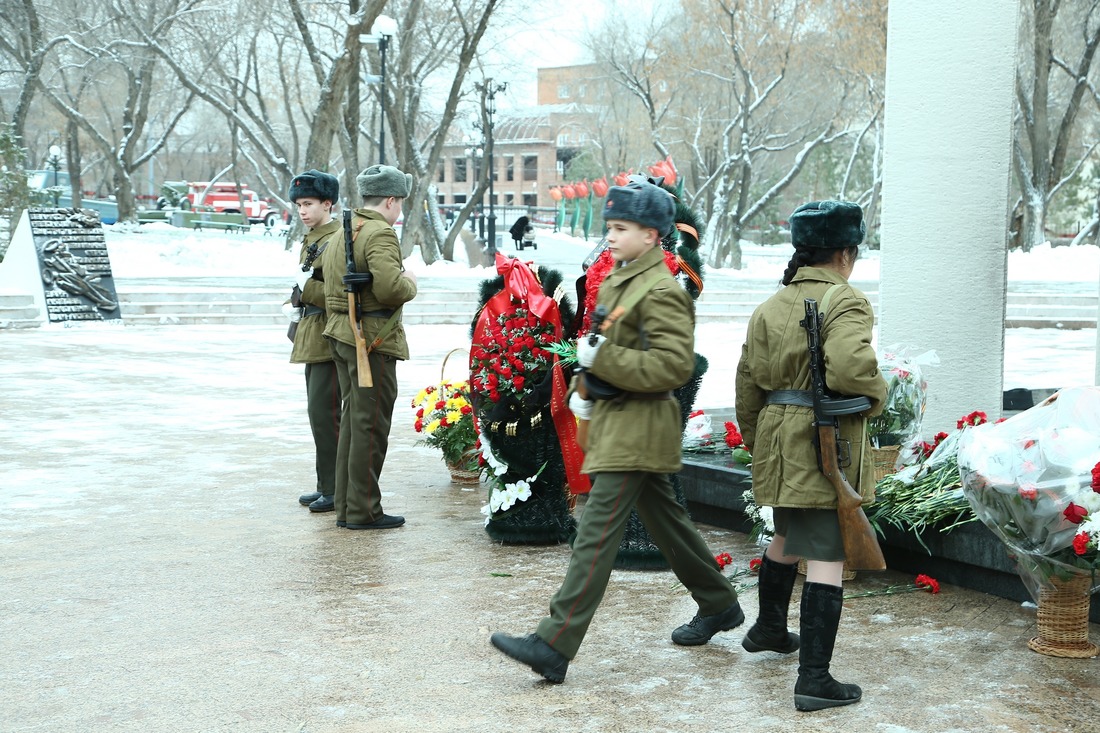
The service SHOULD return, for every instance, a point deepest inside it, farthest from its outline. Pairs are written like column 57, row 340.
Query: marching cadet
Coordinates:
column 634, row 441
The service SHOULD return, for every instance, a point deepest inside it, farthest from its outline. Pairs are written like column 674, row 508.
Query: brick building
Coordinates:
column 531, row 147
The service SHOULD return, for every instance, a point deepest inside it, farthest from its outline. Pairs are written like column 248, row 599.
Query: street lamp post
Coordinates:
column 54, row 164
column 490, row 89
column 384, row 29
column 475, row 154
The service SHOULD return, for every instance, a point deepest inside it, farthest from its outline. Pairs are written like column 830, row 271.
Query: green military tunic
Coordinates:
column 785, row 472
column 634, row 443
column 367, row 411
column 311, row 348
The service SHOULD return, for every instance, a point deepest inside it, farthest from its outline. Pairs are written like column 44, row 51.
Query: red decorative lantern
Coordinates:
column 568, row 191
column 666, row 169
column 581, row 189
column 555, row 193
column 600, row 186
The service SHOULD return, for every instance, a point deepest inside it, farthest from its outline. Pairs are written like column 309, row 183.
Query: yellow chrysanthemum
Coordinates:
column 454, row 417
column 431, row 427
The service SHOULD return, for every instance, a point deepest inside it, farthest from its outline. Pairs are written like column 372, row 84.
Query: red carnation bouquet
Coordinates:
column 513, row 358
column 1034, row 480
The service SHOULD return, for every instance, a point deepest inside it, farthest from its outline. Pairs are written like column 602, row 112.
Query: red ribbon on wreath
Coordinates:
column 521, row 286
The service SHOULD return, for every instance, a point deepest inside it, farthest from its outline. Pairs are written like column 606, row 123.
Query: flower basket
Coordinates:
column 445, row 418
column 884, row 460
column 463, row 476
column 1063, row 619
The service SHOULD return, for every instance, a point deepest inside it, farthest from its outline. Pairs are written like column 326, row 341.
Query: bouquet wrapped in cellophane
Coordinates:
column 1034, row 480
column 906, row 397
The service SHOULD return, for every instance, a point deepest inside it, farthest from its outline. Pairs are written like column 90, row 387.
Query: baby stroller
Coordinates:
column 523, row 234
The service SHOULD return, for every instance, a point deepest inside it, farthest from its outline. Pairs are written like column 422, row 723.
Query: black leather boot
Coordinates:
column 816, row 689
column 769, row 633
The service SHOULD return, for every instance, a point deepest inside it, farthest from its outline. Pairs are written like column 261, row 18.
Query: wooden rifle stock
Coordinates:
column 352, row 280
column 861, row 548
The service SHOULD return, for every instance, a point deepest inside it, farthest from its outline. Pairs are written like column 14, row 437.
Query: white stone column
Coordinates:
column 950, row 73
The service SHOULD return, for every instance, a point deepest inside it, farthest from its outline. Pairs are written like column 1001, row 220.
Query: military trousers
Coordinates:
column 323, row 406
column 364, row 433
column 601, row 529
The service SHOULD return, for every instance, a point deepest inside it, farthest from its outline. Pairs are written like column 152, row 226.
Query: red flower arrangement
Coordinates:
column 514, row 357
column 921, row 582
column 733, row 436
column 973, row 420
column 723, row 559
column 1096, row 478
column 927, row 448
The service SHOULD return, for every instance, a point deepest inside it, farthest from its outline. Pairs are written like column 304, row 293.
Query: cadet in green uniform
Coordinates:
column 367, row 411
column 634, row 441
column 315, row 193
column 775, row 412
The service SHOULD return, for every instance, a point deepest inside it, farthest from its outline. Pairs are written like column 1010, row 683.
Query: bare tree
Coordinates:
column 437, row 42
column 1062, row 37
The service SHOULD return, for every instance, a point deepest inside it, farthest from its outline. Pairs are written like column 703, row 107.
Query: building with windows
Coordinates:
column 531, row 148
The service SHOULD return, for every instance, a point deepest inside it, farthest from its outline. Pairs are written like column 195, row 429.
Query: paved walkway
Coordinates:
column 158, row 575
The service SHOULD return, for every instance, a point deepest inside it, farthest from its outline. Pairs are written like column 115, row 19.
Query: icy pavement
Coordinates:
column 159, row 575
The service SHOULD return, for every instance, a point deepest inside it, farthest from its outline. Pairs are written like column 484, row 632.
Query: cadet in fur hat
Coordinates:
column 634, row 441
column 315, row 193
column 777, row 426
column 367, row 411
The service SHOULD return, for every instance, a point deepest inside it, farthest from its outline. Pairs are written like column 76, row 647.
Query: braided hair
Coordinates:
column 810, row 256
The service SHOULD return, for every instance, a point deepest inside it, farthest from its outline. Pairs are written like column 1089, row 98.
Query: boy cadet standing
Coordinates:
column 367, row 411
column 315, row 193
column 634, row 441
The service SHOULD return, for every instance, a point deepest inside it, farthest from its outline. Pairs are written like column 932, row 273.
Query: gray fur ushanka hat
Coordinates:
column 827, row 225
column 314, row 184
column 641, row 202
column 384, row 181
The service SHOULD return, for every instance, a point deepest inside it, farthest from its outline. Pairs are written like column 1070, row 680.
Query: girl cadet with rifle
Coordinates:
column 775, row 409
column 314, row 193
column 645, row 350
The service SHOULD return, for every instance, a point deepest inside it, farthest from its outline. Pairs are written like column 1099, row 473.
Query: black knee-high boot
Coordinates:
column 769, row 633
column 816, row 689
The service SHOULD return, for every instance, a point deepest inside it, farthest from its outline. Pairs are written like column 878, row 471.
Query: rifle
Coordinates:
column 861, row 548
column 355, row 282
column 598, row 315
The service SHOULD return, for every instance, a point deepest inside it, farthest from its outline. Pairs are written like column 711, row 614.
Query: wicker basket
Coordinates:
column 845, row 575
column 1063, row 620
column 884, row 459
column 459, row 475
column 462, row 476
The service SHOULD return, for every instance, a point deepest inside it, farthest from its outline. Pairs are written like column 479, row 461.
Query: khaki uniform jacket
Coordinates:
column 310, row 346
column 650, row 349
column 780, row 437
column 377, row 250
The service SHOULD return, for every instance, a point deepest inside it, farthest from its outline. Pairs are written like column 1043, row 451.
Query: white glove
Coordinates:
column 581, row 407
column 292, row 314
column 303, row 278
column 586, row 352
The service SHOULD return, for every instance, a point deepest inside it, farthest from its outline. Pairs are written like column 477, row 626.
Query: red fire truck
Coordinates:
column 222, row 198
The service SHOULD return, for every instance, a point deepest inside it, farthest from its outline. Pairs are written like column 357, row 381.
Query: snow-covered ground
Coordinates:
column 1034, row 358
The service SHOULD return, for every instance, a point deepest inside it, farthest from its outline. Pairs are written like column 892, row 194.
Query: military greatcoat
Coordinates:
column 780, row 437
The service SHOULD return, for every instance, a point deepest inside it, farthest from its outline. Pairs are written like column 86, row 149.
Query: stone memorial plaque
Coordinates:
column 73, row 262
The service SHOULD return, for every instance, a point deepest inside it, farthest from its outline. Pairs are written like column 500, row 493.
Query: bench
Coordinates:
column 223, row 225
